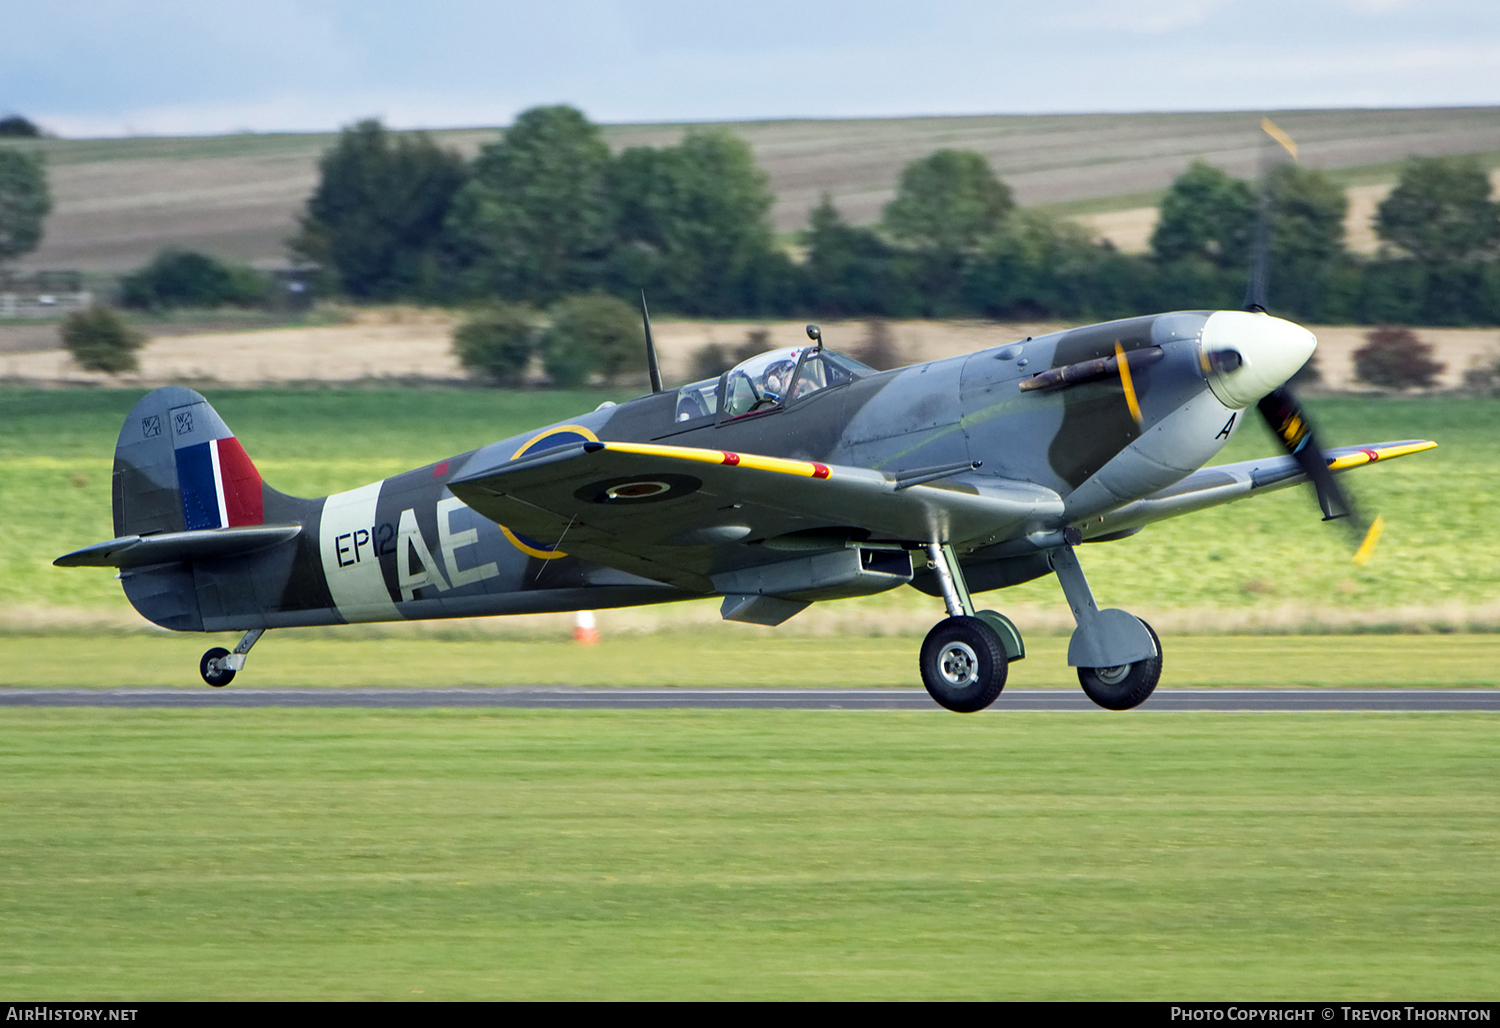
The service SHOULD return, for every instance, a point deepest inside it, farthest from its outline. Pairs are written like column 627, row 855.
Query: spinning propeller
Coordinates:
column 1286, row 417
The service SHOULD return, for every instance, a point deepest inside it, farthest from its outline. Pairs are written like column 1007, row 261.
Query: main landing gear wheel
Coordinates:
column 1126, row 686
column 211, row 672
column 963, row 664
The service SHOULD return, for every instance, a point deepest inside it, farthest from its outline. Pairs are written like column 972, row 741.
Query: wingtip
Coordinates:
column 1379, row 452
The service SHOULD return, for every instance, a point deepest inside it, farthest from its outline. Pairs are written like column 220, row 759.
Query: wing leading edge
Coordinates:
column 1225, row 483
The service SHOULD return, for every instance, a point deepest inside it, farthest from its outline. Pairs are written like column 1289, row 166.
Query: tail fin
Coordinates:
column 179, row 468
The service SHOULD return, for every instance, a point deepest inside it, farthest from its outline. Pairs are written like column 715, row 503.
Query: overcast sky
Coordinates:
column 112, row 67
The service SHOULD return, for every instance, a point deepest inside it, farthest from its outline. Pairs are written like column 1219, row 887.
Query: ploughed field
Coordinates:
column 1266, row 564
column 120, row 200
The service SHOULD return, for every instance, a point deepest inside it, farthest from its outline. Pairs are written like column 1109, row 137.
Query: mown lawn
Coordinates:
column 317, row 854
column 727, row 656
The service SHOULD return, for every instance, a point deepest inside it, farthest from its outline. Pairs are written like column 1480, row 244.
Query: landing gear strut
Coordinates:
column 1118, row 656
column 218, row 665
column 965, row 658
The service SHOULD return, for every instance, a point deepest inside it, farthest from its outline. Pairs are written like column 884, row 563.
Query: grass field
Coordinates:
column 728, row 656
column 715, row 855
column 363, row 854
column 1267, row 564
column 237, row 196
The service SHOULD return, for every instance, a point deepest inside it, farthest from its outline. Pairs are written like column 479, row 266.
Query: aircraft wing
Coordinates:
column 682, row 515
column 1225, row 483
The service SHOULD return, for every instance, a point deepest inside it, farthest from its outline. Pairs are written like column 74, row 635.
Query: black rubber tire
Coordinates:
column 986, row 675
column 1123, row 688
column 217, row 679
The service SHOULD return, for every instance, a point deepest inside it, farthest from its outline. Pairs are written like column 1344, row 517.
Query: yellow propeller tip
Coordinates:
column 1277, row 133
column 1367, row 548
column 1127, row 383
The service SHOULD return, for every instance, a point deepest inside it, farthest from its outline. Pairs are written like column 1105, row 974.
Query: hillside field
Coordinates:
column 120, row 200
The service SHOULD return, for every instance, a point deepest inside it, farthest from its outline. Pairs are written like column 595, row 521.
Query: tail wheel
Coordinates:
column 212, row 674
column 963, row 664
column 1126, row 686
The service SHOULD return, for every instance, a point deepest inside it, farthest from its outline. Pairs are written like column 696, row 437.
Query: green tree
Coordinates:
column 1441, row 211
column 592, row 333
column 185, row 278
column 100, row 340
column 691, row 221
column 1041, row 266
column 533, row 222
column 376, row 218
column 852, row 271
column 1307, row 215
column 1206, row 214
column 949, row 202
column 18, row 127
column 497, row 342
column 1311, row 274
column 24, row 203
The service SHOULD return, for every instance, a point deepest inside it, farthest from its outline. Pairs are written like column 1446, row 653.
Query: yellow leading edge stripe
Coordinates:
column 1370, row 455
column 802, row 468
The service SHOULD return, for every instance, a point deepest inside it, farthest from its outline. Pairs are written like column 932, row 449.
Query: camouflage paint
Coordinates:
column 407, row 548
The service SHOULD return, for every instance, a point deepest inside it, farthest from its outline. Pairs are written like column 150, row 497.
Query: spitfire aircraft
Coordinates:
column 798, row 476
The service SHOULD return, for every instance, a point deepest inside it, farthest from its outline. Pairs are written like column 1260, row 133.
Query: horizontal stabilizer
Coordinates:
column 135, row 551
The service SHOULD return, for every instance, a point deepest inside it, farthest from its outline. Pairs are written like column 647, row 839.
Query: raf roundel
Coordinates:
column 551, row 439
column 617, row 491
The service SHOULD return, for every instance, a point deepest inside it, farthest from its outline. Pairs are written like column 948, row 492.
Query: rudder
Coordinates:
column 179, row 468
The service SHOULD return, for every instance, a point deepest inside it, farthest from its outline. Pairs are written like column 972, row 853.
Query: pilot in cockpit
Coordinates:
column 777, row 378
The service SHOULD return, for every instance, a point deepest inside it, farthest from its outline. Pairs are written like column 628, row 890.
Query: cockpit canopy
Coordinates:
column 767, row 382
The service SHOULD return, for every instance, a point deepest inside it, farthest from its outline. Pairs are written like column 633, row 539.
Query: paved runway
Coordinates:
column 763, row 699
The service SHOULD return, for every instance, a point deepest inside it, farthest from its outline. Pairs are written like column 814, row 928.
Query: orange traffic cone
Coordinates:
column 584, row 629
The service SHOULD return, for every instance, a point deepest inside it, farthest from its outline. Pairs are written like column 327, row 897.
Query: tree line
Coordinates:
column 548, row 212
